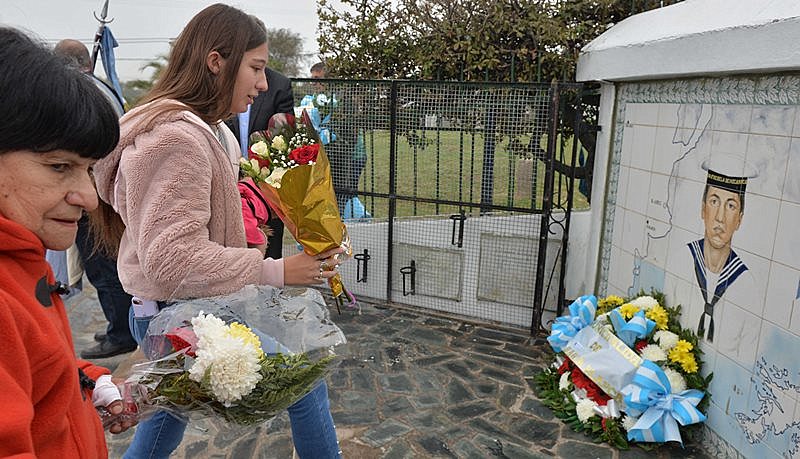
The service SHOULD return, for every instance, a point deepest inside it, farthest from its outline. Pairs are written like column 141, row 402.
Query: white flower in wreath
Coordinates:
column 644, row 302
column 666, row 339
column 653, row 353
column 585, row 409
column 564, row 382
column 628, row 422
column 676, row 381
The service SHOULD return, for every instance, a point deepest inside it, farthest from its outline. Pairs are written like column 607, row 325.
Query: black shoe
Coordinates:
column 100, row 337
column 105, row 349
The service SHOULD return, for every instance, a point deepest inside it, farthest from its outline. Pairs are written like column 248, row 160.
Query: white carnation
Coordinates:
column 274, row 179
column 231, row 365
column 676, row 381
column 653, row 353
column 564, row 382
column 628, row 422
column 666, row 339
column 644, row 302
column 585, row 409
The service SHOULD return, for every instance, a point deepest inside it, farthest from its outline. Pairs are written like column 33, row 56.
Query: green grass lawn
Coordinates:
column 448, row 165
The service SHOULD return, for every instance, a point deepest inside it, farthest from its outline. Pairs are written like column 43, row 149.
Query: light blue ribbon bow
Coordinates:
column 629, row 331
column 649, row 396
column 581, row 314
column 326, row 136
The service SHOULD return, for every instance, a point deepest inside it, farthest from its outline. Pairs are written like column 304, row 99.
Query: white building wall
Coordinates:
column 682, row 84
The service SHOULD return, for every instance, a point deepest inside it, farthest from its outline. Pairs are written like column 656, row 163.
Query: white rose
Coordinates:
column 585, row 409
column 676, row 381
column 653, row 353
column 666, row 339
column 564, row 382
column 274, row 179
column 279, row 143
column 322, row 99
column 645, row 302
column 260, row 148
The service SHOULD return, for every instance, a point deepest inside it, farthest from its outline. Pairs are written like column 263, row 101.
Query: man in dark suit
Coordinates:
column 278, row 98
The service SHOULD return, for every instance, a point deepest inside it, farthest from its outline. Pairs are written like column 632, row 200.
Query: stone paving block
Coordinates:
column 458, row 392
column 470, row 410
column 363, row 379
column 537, row 408
column 433, row 360
column 396, row 406
column 353, row 418
column 385, row 431
column 502, row 376
column 357, row 401
column 501, row 336
column 435, row 447
column 542, row 434
column 398, row 450
column 509, row 396
column 460, row 368
column 576, row 449
column 397, row 383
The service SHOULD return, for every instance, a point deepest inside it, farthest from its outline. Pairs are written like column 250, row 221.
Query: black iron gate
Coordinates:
column 457, row 195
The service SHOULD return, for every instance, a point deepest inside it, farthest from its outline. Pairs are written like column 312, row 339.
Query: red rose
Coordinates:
column 639, row 345
column 305, row 154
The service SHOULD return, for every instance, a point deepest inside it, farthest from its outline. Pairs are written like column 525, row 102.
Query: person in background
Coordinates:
column 278, row 98
column 319, row 70
column 172, row 183
column 54, row 125
column 347, row 153
column 101, row 269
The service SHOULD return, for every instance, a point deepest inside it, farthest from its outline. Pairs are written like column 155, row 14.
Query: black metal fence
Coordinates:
column 457, row 196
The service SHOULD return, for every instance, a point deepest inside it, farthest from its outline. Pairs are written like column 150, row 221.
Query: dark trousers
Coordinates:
column 275, row 242
column 102, row 273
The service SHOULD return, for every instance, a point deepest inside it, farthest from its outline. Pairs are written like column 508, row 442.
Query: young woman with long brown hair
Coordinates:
column 172, row 183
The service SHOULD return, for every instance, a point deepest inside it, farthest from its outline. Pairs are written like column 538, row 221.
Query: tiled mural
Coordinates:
column 704, row 205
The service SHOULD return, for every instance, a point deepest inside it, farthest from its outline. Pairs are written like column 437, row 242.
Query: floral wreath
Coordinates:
column 625, row 371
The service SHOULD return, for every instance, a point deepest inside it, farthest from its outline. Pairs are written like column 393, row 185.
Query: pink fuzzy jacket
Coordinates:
column 174, row 186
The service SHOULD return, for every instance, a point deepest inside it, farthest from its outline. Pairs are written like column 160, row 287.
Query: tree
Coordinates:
column 285, row 51
column 471, row 40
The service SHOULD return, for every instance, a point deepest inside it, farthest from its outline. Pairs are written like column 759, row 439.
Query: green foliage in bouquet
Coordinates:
column 284, row 380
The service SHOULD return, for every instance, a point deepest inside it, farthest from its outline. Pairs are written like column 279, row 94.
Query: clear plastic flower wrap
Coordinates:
column 242, row 357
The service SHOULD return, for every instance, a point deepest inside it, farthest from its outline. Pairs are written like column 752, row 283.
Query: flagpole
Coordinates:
column 99, row 34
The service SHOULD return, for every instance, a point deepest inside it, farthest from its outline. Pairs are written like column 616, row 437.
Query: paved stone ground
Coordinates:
column 408, row 385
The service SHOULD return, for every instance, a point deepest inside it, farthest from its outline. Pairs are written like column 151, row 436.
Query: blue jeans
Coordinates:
column 313, row 432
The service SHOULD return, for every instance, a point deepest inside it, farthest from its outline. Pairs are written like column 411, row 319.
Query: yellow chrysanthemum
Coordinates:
column 628, row 310
column 683, row 346
column 238, row 330
column 658, row 315
column 608, row 303
column 689, row 364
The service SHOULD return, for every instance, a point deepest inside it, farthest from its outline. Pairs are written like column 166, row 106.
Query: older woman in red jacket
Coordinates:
column 54, row 125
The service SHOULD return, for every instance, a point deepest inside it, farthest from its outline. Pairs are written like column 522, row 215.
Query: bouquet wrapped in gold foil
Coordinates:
column 290, row 166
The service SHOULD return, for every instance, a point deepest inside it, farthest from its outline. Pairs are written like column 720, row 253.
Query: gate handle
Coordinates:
column 409, row 271
column 460, row 217
column 361, row 275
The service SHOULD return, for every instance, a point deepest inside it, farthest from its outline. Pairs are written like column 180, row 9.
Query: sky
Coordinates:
column 144, row 28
